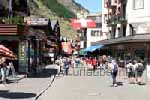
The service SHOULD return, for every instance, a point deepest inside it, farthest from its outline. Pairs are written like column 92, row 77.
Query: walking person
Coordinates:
column 11, row 67
column 94, row 63
column 114, row 72
column 66, row 66
column 3, row 69
column 131, row 72
column 139, row 69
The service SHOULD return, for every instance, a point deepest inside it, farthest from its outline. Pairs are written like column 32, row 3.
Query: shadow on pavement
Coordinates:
column 15, row 95
column 45, row 73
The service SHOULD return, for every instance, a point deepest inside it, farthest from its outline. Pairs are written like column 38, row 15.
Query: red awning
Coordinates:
column 5, row 52
column 83, row 23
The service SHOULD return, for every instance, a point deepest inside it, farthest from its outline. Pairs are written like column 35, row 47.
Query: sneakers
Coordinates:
column 115, row 85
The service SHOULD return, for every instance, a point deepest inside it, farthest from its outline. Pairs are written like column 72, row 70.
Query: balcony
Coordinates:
column 10, row 29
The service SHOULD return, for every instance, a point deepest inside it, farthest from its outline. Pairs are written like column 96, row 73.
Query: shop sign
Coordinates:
column 22, row 57
column 37, row 21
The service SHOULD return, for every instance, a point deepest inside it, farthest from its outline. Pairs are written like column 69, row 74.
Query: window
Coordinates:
column 96, row 33
column 139, row 53
column 92, row 33
column 138, row 4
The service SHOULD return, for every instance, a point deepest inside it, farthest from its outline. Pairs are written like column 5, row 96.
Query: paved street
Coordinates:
column 27, row 88
column 72, row 87
column 94, row 88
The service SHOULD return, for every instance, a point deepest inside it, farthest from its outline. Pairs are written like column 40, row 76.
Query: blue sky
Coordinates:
column 91, row 5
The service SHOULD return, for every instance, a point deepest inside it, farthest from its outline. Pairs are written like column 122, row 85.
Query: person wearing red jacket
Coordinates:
column 94, row 63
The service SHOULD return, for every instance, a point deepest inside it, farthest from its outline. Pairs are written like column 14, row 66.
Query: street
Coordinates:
column 94, row 88
column 28, row 88
column 72, row 87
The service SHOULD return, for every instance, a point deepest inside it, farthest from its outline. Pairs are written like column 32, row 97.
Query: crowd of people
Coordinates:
column 134, row 69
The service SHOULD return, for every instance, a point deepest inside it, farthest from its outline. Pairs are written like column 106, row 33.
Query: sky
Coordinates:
column 91, row 5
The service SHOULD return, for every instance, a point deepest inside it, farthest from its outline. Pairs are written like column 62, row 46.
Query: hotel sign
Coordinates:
column 36, row 21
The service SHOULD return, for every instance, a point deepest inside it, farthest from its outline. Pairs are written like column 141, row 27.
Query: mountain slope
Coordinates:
column 39, row 9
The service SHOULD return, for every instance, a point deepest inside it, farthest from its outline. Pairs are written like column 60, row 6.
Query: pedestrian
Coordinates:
column 139, row 69
column 104, row 62
column 131, row 72
column 94, row 63
column 114, row 72
column 61, row 64
column 66, row 66
column 11, row 67
column 3, row 69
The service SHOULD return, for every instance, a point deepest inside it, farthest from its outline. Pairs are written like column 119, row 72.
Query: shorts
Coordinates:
column 139, row 73
column 131, row 74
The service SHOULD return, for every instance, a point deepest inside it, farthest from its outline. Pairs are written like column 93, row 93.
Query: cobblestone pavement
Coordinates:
column 94, row 88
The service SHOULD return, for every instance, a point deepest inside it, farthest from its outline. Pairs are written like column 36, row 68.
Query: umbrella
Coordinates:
column 5, row 52
column 83, row 23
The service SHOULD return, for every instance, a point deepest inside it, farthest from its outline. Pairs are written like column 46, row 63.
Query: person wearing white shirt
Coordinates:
column 131, row 72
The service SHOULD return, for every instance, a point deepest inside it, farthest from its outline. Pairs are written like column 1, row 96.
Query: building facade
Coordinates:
column 94, row 34
column 127, row 25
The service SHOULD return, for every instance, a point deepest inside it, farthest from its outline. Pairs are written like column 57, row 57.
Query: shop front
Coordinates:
column 12, row 37
column 129, row 48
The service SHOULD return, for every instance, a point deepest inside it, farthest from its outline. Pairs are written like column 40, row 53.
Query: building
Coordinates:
column 93, row 34
column 54, row 43
column 127, row 23
column 97, row 17
column 13, row 30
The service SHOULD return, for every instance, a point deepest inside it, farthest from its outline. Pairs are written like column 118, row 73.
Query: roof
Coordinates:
column 53, row 23
column 39, row 33
column 128, row 39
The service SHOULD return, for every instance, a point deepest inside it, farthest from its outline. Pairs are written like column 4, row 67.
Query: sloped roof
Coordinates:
column 39, row 33
column 53, row 23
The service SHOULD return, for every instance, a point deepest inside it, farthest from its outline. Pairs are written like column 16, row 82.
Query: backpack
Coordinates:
column 140, row 67
column 130, row 68
column 115, row 69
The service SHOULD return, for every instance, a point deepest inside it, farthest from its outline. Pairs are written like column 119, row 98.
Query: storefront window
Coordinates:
column 139, row 54
column 120, row 55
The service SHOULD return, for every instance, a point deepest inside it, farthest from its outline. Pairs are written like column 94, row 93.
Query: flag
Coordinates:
column 83, row 23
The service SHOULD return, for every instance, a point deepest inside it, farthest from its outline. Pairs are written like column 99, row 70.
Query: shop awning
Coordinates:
column 128, row 39
column 82, row 52
column 93, row 48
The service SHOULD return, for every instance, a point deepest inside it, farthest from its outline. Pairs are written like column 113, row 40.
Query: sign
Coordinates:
column 36, row 21
column 23, row 57
column 148, row 72
column 83, row 23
